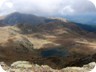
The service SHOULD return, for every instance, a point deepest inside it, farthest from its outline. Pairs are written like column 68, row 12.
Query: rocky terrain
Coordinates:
column 49, row 46
column 26, row 66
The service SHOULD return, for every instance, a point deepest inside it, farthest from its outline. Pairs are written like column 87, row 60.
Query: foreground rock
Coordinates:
column 25, row 66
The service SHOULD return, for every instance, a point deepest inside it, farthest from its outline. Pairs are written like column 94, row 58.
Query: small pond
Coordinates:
column 54, row 52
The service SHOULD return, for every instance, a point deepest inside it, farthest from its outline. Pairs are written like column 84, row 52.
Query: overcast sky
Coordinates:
column 48, row 7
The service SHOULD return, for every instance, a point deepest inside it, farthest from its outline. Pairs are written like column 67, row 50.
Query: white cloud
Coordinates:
column 1, row 2
column 9, row 4
column 67, row 10
column 6, row 7
column 94, row 2
column 48, row 7
column 44, row 6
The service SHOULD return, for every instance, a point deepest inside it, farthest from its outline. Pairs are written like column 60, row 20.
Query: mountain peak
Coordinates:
column 20, row 18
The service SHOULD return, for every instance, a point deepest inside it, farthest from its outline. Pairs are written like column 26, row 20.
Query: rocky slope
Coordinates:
column 26, row 66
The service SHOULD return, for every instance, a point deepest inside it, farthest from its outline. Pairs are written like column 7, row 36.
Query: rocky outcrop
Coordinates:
column 26, row 66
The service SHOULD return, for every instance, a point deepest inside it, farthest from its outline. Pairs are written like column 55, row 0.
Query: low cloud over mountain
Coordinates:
column 48, row 7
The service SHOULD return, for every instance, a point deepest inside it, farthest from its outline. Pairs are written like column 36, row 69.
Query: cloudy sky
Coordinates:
column 48, row 7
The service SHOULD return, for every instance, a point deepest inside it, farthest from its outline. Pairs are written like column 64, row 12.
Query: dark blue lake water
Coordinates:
column 54, row 52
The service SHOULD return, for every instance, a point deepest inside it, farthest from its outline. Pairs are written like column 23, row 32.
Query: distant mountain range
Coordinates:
column 28, row 19
column 83, row 19
column 19, row 18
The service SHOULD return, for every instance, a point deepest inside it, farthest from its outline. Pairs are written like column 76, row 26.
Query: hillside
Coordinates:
column 54, row 42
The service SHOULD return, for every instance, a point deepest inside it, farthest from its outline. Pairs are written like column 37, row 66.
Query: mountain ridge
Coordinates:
column 19, row 18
